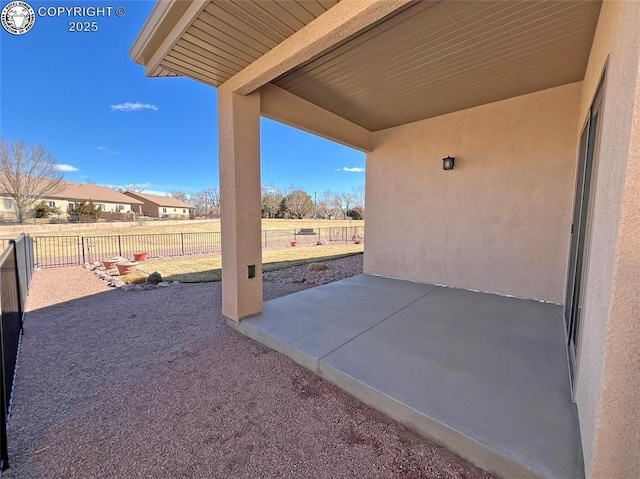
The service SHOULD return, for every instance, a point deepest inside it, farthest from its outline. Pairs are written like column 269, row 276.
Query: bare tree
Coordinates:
column 271, row 201
column 199, row 200
column 206, row 202
column 358, row 197
column 213, row 200
column 299, row 204
column 358, row 194
column 27, row 174
column 324, row 207
column 179, row 195
column 135, row 188
column 335, row 203
column 348, row 201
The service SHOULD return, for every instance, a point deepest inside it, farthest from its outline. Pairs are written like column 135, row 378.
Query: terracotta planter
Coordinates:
column 142, row 256
column 110, row 263
column 126, row 267
column 294, row 243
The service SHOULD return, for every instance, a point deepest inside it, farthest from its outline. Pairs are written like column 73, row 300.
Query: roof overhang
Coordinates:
column 376, row 64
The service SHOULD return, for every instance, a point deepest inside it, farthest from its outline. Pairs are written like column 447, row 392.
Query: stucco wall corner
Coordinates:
column 500, row 221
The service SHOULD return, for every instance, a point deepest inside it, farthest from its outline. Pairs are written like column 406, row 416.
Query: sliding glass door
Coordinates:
column 580, row 229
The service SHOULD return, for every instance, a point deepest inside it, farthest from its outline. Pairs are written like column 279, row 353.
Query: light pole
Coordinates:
column 315, row 206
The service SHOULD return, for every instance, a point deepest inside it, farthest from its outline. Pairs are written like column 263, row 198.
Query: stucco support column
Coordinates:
column 239, row 126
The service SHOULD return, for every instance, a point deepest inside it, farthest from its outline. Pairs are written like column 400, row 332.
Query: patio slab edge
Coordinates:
column 428, row 427
column 297, row 355
column 455, row 441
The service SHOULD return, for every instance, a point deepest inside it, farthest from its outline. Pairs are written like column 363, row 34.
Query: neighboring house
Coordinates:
column 157, row 206
column 539, row 104
column 110, row 201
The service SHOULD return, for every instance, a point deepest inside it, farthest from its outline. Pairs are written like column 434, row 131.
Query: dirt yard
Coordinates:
column 152, row 384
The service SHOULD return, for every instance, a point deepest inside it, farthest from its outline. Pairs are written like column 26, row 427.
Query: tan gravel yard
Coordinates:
column 154, row 385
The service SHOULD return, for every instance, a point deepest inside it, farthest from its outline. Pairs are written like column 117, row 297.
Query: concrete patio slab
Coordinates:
column 484, row 375
column 491, row 368
column 393, row 292
column 290, row 324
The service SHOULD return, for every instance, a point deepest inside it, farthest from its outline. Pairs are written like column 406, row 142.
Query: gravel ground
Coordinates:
column 152, row 384
column 338, row 269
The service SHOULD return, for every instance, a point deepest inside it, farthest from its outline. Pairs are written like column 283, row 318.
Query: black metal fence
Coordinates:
column 53, row 251
column 16, row 270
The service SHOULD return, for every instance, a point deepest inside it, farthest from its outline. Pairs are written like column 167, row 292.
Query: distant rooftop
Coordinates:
column 88, row 191
column 159, row 200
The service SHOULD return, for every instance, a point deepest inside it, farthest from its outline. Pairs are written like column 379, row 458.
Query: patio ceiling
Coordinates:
column 425, row 59
column 434, row 59
column 221, row 37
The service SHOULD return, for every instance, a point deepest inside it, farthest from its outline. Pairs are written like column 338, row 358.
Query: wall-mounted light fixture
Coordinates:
column 447, row 163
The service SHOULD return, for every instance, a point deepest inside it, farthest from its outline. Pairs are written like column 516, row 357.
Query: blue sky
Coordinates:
column 69, row 91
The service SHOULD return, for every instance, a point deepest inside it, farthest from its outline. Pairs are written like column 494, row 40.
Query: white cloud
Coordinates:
column 102, row 148
column 63, row 167
column 355, row 169
column 115, row 152
column 137, row 106
column 154, row 192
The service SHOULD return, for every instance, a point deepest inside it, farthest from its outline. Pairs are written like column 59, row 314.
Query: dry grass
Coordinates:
column 202, row 269
column 198, row 237
column 162, row 227
column 136, row 277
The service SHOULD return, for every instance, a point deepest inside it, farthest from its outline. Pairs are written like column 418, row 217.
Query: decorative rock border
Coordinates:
column 114, row 280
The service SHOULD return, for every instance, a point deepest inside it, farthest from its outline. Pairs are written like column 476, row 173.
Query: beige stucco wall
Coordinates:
column 240, row 219
column 608, row 381
column 171, row 211
column 500, row 221
column 280, row 105
column 63, row 205
column 154, row 211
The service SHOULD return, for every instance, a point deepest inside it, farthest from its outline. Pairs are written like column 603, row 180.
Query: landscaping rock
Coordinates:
column 318, row 267
column 163, row 284
column 322, row 242
column 117, row 283
column 136, row 287
column 175, row 282
column 154, row 278
column 148, row 287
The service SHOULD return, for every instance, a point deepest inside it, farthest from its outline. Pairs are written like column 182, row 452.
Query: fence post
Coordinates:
column 27, row 268
column 182, row 242
column 4, row 407
column 82, row 242
column 17, row 280
column 119, row 247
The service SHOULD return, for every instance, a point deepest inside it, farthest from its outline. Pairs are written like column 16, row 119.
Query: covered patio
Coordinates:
column 538, row 103
column 485, row 375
